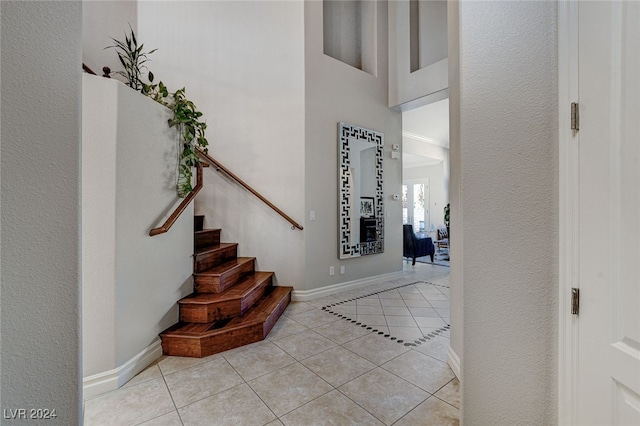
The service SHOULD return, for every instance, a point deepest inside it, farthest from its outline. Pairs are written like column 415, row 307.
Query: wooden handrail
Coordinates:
column 87, row 69
column 183, row 205
column 206, row 157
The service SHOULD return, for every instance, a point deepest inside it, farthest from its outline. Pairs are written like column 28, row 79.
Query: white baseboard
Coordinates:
column 100, row 383
column 454, row 362
column 316, row 293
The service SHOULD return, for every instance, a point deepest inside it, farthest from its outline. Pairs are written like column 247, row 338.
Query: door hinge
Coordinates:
column 575, row 301
column 575, row 116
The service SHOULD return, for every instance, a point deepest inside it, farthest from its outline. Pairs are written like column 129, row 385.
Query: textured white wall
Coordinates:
column 40, row 192
column 337, row 92
column 246, row 75
column 508, row 167
column 129, row 163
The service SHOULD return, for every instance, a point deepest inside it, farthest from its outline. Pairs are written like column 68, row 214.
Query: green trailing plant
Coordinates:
column 186, row 117
column 191, row 128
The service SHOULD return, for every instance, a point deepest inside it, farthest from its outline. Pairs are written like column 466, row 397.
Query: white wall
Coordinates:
column 103, row 20
column 508, row 166
column 429, row 84
column 245, row 72
column 40, row 216
column 336, row 92
column 131, row 281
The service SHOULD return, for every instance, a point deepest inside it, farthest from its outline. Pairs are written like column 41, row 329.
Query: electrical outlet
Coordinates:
column 312, row 215
column 332, row 270
column 341, row 269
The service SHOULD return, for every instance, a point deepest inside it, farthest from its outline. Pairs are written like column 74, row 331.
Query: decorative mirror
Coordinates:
column 360, row 193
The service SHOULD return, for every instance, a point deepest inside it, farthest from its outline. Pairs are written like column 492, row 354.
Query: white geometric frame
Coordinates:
column 345, row 248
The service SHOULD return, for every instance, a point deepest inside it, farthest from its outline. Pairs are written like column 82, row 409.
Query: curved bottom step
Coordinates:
column 200, row 340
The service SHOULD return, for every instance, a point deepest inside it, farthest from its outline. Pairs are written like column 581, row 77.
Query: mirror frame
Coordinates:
column 347, row 250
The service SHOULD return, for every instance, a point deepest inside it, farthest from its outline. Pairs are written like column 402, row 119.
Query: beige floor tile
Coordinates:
column 259, row 361
column 169, row 419
column 150, row 373
column 443, row 312
column 342, row 309
column 323, row 301
column 338, row 365
column 305, row 344
column 384, row 395
column 396, row 310
column 391, row 294
column 195, row 383
column 376, row 348
column 287, row 389
column 129, row 406
column 437, row 347
column 412, row 296
column 331, row 409
column 285, row 327
column 313, row 318
column 422, row 370
column 406, row 333
column 424, row 312
column 430, row 322
column 368, row 301
column 372, row 320
column 236, row 406
column 370, row 310
column 417, row 304
column 298, row 307
column 450, row 393
column 276, row 422
column 394, row 302
column 341, row 332
column 400, row 321
column 409, row 289
column 171, row 364
column 432, row 412
column 436, row 297
column 440, row 304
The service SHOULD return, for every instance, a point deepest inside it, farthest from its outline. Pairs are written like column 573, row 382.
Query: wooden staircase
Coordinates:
column 232, row 304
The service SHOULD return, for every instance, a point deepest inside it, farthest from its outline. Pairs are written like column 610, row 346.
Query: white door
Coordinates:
column 415, row 205
column 608, row 324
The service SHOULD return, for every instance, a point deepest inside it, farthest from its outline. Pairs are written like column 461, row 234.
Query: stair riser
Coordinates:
column 216, row 284
column 210, row 237
column 199, row 313
column 176, row 346
column 275, row 315
column 205, row 261
column 198, row 223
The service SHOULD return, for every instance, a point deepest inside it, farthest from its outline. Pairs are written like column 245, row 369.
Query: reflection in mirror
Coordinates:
column 360, row 194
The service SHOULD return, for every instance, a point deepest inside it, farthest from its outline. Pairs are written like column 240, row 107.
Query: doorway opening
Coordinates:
column 425, row 171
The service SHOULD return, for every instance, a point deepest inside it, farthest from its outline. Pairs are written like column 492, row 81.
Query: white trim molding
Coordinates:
column 454, row 362
column 100, row 383
column 316, row 293
column 569, row 219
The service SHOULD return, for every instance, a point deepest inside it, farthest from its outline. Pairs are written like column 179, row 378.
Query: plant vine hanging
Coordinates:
column 186, row 117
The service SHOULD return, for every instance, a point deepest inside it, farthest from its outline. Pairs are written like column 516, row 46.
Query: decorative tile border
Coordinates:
column 416, row 342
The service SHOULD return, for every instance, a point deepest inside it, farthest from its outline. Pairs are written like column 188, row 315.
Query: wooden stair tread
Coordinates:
column 258, row 314
column 213, row 248
column 235, row 292
column 224, row 267
column 207, row 230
